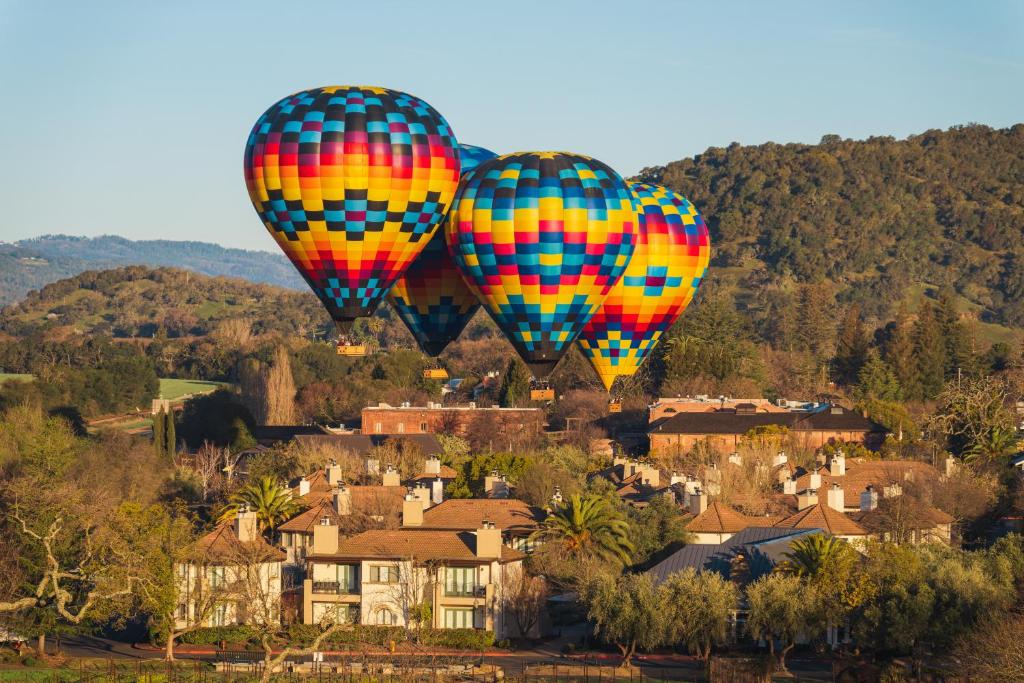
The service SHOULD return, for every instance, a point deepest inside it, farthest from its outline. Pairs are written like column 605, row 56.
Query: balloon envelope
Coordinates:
column 671, row 257
column 352, row 182
column 431, row 297
column 541, row 237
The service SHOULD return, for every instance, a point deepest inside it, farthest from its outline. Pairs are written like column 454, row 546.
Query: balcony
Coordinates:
column 334, row 588
column 465, row 591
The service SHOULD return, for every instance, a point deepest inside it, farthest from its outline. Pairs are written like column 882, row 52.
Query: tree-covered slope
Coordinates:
column 876, row 217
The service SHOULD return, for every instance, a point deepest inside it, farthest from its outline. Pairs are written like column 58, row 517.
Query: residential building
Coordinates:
column 435, row 418
column 379, row 576
column 232, row 571
column 516, row 519
column 724, row 429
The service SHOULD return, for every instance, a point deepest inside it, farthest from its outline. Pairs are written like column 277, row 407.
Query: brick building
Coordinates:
column 435, row 418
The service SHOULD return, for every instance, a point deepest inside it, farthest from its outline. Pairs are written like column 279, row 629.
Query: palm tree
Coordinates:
column 811, row 555
column 272, row 503
column 588, row 525
column 992, row 446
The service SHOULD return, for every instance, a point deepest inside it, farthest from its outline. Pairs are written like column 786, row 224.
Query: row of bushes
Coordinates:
column 303, row 634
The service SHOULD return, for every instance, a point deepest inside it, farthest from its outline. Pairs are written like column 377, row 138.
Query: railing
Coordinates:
column 465, row 591
column 334, row 588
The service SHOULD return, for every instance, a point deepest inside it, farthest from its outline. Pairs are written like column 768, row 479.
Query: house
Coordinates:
column 364, row 444
column 231, row 572
column 517, row 519
column 1017, row 462
column 435, row 418
column 667, row 407
column 724, row 429
column 635, row 482
column 715, row 523
column 380, row 576
column 827, row 519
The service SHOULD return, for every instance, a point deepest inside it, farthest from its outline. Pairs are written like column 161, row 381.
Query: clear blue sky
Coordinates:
column 130, row 117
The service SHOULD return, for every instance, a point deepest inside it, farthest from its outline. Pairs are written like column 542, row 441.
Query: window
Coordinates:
column 217, row 577
column 401, row 428
column 383, row 574
column 220, row 615
column 459, row 580
column 384, row 617
column 378, row 427
column 458, row 617
column 423, row 427
column 348, row 578
column 182, row 612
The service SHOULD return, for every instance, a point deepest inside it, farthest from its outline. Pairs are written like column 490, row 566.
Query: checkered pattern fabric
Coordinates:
column 431, row 297
column 541, row 237
column 670, row 259
column 352, row 182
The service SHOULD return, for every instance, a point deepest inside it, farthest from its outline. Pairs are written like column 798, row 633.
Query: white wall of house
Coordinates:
column 198, row 581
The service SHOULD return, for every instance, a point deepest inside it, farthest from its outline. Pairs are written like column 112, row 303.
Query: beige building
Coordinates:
column 234, row 577
column 381, row 576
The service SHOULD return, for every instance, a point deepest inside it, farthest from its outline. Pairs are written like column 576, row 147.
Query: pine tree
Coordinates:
column 815, row 318
column 515, row 384
column 954, row 333
column 900, row 356
column 876, row 380
column 930, row 349
column 851, row 347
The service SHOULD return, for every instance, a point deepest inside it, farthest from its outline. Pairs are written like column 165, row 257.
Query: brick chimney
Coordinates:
column 836, row 498
column 698, row 502
column 432, row 465
column 868, row 499
column 343, row 500
column 488, row 541
column 412, row 510
column 245, row 525
column 837, row 465
column 325, row 537
column 437, row 491
column 390, row 477
column 806, row 499
column 333, row 472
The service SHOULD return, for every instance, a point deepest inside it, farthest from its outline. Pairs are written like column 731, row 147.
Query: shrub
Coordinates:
column 30, row 661
column 214, row 635
column 456, row 638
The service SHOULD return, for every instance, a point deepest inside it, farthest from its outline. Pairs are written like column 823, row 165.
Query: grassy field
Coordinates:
column 174, row 389
column 4, row 376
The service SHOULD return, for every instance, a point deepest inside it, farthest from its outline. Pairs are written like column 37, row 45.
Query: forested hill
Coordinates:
column 136, row 301
column 881, row 218
column 32, row 263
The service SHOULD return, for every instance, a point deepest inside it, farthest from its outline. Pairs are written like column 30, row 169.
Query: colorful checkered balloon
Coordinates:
column 541, row 237
column 352, row 182
column 670, row 259
column 431, row 297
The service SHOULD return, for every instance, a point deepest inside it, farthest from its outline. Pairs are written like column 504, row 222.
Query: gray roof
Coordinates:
column 763, row 547
column 362, row 444
column 729, row 421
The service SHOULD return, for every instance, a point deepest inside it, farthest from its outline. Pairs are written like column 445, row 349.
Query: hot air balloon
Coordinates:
column 670, row 258
column 541, row 237
column 431, row 297
column 352, row 182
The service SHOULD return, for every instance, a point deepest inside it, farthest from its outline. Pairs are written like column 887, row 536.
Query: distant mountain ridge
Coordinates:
column 30, row 264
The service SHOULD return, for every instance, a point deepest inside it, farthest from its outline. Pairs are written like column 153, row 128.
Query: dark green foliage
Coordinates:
column 165, row 442
column 218, row 418
column 515, row 384
column 215, row 635
column 456, row 638
column 851, row 347
column 930, row 351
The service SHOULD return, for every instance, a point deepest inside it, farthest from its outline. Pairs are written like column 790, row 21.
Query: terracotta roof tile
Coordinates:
column 222, row 545
column 823, row 517
column 424, row 545
column 467, row 513
column 720, row 518
column 305, row 521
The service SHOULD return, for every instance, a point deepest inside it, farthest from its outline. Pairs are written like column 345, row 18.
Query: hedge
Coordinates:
column 456, row 638
column 215, row 635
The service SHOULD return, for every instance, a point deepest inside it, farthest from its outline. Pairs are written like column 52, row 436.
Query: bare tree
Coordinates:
column 522, row 596
column 410, row 594
column 280, row 390
column 995, row 652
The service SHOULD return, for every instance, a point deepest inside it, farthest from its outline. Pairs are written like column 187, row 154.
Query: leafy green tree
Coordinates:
column 954, row 334
column 699, row 608
column 627, row 611
column 515, row 384
column 218, row 418
column 657, row 530
column 852, row 347
column 588, row 526
column 272, row 503
column 783, row 608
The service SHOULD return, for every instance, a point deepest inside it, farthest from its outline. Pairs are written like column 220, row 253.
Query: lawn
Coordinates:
column 4, row 376
column 174, row 389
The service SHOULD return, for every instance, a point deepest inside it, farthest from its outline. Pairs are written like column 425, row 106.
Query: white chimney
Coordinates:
column 245, row 525
column 869, row 499
column 372, row 467
column 698, row 502
column 390, row 477
column 779, row 459
column 676, row 478
column 836, row 498
column 814, row 481
column 735, row 459
column 432, row 466
column 303, row 486
column 412, row 510
column 650, row 475
column 619, row 460
column 422, row 494
column 333, row 472
column 837, row 466
column 950, row 466
column 495, row 485
column 343, row 500
column 325, row 537
column 437, row 491
column 806, row 499
column 556, row 498
column 789, row 486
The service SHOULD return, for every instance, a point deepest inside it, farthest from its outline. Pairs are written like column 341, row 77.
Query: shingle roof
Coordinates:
column 422, row 545
column 823, row 517
column 222, row 546
column 757, row 542
column 731, row 422
column 508, row 514
column 720, row 518
column 271, row 434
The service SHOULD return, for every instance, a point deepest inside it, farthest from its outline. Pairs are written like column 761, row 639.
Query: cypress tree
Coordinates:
column 170, row 438
column 158, row 433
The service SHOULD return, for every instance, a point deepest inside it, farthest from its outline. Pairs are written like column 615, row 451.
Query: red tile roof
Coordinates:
column 821, row 516
column 508, row 514
column 221, row 546
column 720, row 518
column 422, row 545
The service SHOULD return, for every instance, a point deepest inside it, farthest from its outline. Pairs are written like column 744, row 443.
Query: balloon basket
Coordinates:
column 351, row 349
column 435, row 373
